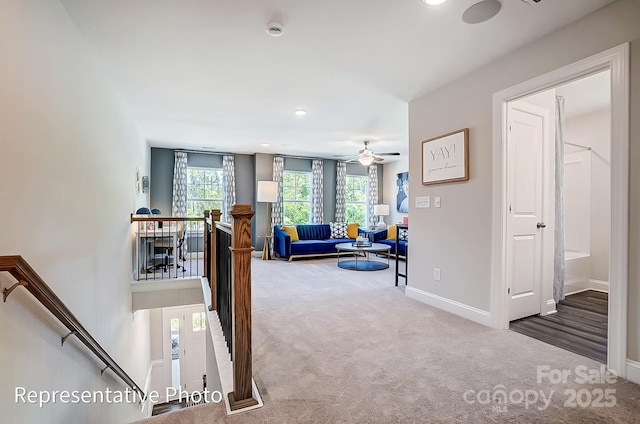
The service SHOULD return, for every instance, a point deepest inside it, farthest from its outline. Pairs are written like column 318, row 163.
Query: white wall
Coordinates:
column 68, row 157
column 459, row 233
column 594, row 130
column 390, row 189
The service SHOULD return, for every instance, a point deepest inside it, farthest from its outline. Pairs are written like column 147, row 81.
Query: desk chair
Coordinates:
column 163, row 249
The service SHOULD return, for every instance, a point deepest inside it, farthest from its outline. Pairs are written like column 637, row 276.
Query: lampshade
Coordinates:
column 381, row 210
column 267, row 191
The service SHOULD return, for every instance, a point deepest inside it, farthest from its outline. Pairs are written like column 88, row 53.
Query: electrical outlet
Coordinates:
column 436, row 274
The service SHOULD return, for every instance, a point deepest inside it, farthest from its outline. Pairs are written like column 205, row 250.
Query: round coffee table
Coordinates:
column 364, row 264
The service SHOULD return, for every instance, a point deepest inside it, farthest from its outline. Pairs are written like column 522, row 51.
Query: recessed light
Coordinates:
column 434, row 2
column 265, row 144
column 300, row 112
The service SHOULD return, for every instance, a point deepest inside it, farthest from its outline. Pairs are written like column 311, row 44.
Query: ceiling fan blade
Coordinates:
column 378, row 159
column 389, row 154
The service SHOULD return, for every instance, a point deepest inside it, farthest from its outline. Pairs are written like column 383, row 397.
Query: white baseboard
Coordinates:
column 580, row 286
column 633, row 371
column 549, row 308
column 147, row 406
column 448, row 305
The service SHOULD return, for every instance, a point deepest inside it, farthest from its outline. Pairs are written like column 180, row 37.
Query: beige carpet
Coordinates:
column 338, row 346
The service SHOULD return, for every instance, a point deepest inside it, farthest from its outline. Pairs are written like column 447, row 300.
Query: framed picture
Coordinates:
column 446, row 158
column 402, row 195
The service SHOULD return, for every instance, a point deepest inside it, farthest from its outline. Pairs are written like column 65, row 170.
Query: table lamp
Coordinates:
column 267, row 193
column 381, row 211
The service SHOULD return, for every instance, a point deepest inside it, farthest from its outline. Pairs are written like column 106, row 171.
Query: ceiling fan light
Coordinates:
column 366, row 160
column 433, row 2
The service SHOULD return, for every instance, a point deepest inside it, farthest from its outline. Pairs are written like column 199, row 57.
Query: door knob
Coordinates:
column 541, row 225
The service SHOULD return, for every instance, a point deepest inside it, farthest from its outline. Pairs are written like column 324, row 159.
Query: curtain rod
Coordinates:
column 578, row 145
column 273, row 154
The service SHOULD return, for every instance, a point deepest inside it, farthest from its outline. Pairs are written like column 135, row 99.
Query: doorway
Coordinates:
column 184, row 344
column 616, row 61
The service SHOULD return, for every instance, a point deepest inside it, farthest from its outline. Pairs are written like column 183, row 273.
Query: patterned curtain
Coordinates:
column 372, row 194
column 277, row 208
column 228, row 186
column 179, row 204
column 317, row 190
column 341, row 182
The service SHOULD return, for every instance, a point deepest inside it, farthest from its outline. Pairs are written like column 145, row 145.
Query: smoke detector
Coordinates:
column 274, row 29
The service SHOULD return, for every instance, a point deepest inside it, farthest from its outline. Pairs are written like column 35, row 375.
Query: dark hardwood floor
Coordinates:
column 579, row 326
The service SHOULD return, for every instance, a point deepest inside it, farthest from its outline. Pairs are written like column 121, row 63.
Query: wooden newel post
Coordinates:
column 210, row 244
column 242, row 395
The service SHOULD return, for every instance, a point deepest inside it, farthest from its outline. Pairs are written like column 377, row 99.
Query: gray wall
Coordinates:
column 249, row 170
column 161, row 180
column 457, row 237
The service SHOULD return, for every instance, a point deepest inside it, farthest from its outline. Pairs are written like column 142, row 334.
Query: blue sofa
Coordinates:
column 381, row 237
column 315, row 240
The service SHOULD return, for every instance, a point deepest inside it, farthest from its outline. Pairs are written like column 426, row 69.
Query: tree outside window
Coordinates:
column 356, row 199
column 296, row 196
column 204, row 190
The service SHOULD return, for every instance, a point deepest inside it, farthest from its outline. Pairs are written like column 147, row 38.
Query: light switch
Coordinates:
column 423, row 202
column 436, row 201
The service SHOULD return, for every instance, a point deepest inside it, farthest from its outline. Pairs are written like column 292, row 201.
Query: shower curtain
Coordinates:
column 558, row 257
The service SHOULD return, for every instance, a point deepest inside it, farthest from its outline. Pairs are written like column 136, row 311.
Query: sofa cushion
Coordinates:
column 313, row 231
column 391, row 232
column 292, row 231
column 352, row 230
column 338, row 230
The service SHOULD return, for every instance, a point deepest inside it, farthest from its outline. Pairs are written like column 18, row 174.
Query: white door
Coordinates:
column 525, row 197
column 184, row 348
column 194, row 359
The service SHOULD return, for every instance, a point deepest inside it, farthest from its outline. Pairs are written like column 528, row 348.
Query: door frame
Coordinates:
column 617, row 61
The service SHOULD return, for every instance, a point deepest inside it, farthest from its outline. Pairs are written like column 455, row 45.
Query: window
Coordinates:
column 204, row 190
column 198, row 321
column 356, row 199
column 296, row 196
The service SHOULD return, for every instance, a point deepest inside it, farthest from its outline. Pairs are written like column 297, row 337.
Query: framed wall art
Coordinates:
column 446, row 158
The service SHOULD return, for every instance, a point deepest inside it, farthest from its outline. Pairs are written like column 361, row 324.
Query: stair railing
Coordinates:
column 26, row 277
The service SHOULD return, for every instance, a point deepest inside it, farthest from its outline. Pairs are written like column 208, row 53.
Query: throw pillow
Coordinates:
column 391, row 232
column 338, row 230
column 292, row 231
column 352, row 230
column 404, row 235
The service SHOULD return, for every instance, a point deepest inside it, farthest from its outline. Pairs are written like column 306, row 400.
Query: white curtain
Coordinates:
column 277, row 208
column 558, row 257
column 228, row 186
column 341, row 182
column 179, row 203
column 317, row 190
column 372, row 194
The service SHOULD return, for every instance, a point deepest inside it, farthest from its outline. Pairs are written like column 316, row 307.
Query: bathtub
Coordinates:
column 577, row 273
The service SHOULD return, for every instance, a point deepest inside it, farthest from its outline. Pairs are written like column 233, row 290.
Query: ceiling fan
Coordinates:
column 367, row 156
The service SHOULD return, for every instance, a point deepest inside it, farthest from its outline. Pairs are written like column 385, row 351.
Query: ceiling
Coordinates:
column 204, row 74
column 586, row 95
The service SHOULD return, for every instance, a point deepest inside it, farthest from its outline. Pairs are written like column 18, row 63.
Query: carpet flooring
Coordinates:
column 339, row 346
column 579, row 325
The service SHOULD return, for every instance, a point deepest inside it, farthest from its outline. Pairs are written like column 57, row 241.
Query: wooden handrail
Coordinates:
column 18, row 267
column 137, row 218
